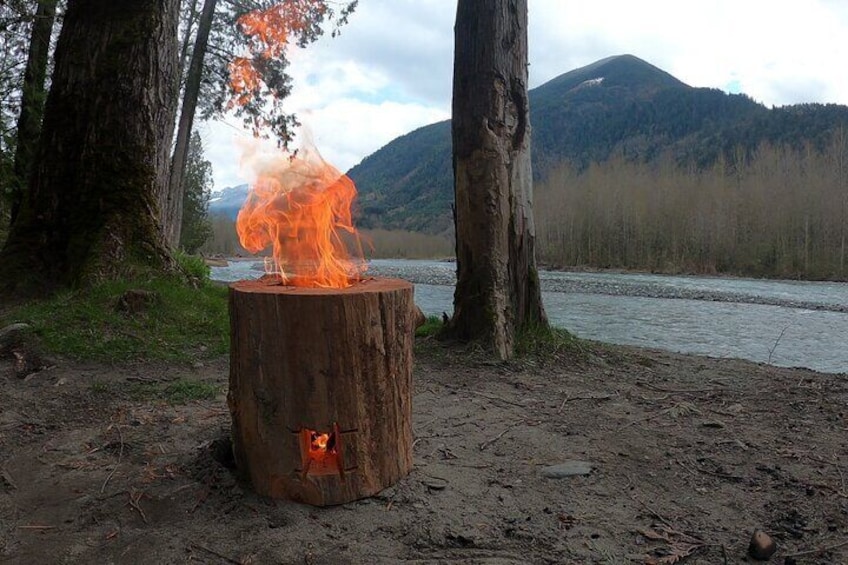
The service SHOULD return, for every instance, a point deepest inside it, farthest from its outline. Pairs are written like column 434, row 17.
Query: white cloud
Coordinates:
column 390, row 71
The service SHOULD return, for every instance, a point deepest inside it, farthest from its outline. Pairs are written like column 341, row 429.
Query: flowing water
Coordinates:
column 788, row 323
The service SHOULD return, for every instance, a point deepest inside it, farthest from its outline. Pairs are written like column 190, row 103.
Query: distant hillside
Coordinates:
column 228, row 202
column 619, row 105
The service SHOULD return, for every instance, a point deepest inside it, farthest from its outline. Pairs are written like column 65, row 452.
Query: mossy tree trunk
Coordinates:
column 497, row 292
column 90, row 211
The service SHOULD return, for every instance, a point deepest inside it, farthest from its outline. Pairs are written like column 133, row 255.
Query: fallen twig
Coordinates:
column 135, row 496
column 564, row 400
column 200, row 500
column 120, row 456
column 708, row 472
column 142, row 378
column 470, row 466
column 497, row 398
column 215, row 553
column 489, row 442
column 773, row 347
column 816, row 551
column 677, row 390
column 8, row 478
column 569, row 398
column 843, row 491
column 427, row 423
column 653, row 512
column 36, row 527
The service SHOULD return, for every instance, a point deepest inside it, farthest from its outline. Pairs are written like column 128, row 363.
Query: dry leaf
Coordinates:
column 654, row 535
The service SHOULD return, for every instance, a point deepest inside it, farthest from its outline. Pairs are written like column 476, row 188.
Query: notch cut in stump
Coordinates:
column 321, row 388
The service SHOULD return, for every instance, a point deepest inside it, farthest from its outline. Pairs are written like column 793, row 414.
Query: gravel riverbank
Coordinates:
column 434, row 273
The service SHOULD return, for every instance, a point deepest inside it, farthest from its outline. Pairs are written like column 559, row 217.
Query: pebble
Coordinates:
column 762, row 547
column 568, row 469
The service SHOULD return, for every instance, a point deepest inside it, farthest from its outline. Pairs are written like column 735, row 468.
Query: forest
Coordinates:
column 777, row 211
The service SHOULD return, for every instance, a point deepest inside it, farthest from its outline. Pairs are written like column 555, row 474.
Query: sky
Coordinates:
column 390, row 70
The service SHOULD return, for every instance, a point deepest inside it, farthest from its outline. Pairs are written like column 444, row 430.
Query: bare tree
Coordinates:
column 497, row 293
column 171, row 199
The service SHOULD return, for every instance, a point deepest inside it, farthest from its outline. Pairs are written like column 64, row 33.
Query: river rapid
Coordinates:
column 786, row 323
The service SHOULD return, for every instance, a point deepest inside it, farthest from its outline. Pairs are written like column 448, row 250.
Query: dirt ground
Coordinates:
column 690, row 455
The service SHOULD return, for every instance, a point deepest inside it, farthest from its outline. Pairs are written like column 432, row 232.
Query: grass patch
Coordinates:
column 99, row 387
column 180, row 322
column 193, row 266
column 182, row 391
column 544, row 342
column 431, row 327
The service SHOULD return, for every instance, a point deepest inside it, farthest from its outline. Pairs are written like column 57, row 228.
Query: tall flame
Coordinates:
column 300, row 206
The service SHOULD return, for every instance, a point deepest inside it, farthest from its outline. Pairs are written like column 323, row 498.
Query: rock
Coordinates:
column 12, row 336
column 26, row 362
column 216, row 262
column 435, row 483
column 568, row 469
column 762, row 547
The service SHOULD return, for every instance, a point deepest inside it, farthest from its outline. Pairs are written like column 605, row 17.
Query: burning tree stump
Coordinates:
column 320, row 388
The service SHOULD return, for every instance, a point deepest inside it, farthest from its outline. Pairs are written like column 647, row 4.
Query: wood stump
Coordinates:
column 321, row 388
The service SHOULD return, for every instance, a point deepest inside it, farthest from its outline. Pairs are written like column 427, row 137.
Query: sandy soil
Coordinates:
column 690, row 455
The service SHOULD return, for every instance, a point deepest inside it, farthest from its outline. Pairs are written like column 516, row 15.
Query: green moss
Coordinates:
column 180, row 391
column 183, row 390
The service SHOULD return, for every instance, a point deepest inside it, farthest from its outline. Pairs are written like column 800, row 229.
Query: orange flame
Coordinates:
column 301, row 207
column 319, row 443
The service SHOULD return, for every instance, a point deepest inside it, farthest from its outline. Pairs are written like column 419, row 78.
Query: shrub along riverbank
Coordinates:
column 777, row 212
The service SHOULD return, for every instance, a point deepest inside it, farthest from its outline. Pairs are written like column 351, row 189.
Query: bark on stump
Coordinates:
column 320, row 388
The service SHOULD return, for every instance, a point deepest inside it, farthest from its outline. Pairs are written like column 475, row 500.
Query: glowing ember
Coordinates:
column 319, row 443
column 321, row 453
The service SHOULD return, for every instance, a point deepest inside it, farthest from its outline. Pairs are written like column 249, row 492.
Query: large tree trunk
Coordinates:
column 91, row 208
column 171, row 201
column 497, row 292
column 32, row 98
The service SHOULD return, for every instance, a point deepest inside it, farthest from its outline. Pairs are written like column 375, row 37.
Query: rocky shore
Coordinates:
column 553, row 281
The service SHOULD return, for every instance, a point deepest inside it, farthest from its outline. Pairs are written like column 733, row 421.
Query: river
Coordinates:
column 786, row 323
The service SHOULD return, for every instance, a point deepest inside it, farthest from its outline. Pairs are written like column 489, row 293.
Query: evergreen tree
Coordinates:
column 197, row 227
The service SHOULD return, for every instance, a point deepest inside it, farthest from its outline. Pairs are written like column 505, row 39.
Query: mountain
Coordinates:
column 228, row 202
column 618, row 105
